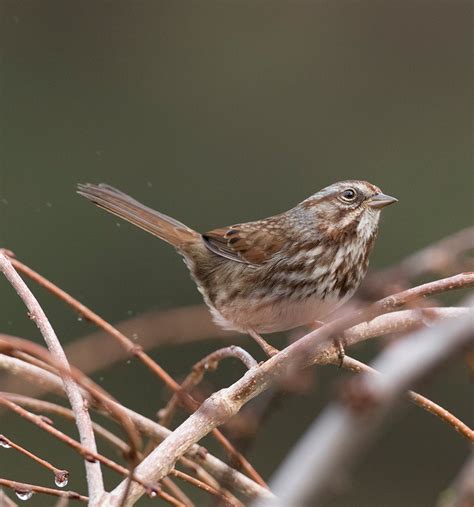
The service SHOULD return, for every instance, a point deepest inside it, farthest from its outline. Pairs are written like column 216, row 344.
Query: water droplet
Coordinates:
column 23, row 494
column 80, row 318
column 129, row 313
column 149, row 184
column 101, row 379
column 4, row 443
column 135, row 336
column 118, row 224
column 152, row 493
column 48, row 204
column 61, row 478
column 129, row 361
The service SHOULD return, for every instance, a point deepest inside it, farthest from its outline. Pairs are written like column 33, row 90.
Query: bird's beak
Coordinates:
column 379, row 201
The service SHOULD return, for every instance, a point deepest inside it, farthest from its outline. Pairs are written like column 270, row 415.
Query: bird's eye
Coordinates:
column 348, row 195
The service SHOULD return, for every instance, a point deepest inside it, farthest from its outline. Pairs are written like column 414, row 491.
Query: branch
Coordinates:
column 137, row 351
column 224, row 404
column 93, row 472
column 25, row 491
column 151, row 490
column 228, row 476
column 208, row 363
column 98, row 394
column 61, row 477
column 53, row 408
column 340, row 433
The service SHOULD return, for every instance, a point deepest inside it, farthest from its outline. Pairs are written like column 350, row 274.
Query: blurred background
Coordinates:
column 219, row 112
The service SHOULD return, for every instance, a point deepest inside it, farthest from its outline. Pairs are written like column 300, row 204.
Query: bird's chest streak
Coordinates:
column 283, row 294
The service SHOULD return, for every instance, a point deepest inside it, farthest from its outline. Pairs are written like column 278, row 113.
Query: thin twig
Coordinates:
column 83, row 451
column 26, row 489
column 177, row 492
column 60, row 475
column 208, row 363
column 53, row 408
column 84, row 425
column 137, row 351
column 205, row 487
column 11, row 344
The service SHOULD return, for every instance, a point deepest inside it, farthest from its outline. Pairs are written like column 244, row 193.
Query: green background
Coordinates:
column 216, row 113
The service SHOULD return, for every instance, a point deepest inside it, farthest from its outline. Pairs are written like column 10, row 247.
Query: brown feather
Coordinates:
column 250, row 243
column 152, row 221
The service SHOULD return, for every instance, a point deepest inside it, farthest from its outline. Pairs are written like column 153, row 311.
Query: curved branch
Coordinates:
column 137, row 351
column 84, row 425
column 208, row 363
column 226, row 475
column 224, row 404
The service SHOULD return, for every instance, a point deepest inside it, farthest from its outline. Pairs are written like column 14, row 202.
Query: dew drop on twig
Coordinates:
column 23, row 494
column 4, row 443
column 61, row 478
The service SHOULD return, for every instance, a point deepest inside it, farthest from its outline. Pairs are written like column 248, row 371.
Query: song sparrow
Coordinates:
column 277, row 273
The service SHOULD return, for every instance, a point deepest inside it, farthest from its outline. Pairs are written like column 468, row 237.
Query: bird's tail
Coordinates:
column 166, row 228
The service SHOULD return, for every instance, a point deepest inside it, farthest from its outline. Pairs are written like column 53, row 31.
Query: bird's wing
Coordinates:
column 250, row 243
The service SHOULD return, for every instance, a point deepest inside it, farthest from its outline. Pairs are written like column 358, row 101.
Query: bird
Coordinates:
column 277, row 273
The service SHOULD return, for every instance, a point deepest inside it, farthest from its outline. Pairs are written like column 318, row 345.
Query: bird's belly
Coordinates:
column 273, row 315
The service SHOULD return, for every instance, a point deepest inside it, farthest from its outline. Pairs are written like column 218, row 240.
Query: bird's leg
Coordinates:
column 267, row 348
column 338, row 343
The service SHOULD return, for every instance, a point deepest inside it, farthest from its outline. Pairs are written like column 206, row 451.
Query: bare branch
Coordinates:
column 24, row 491
column 208, row 363
column 224, row 404
column 205, row 487
column 337, row 436
column 228, row 476
column 83, row 422
column 52, row 408
column 12, row 344
column 137, row 351
column 60, row 476
column 83, row 451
